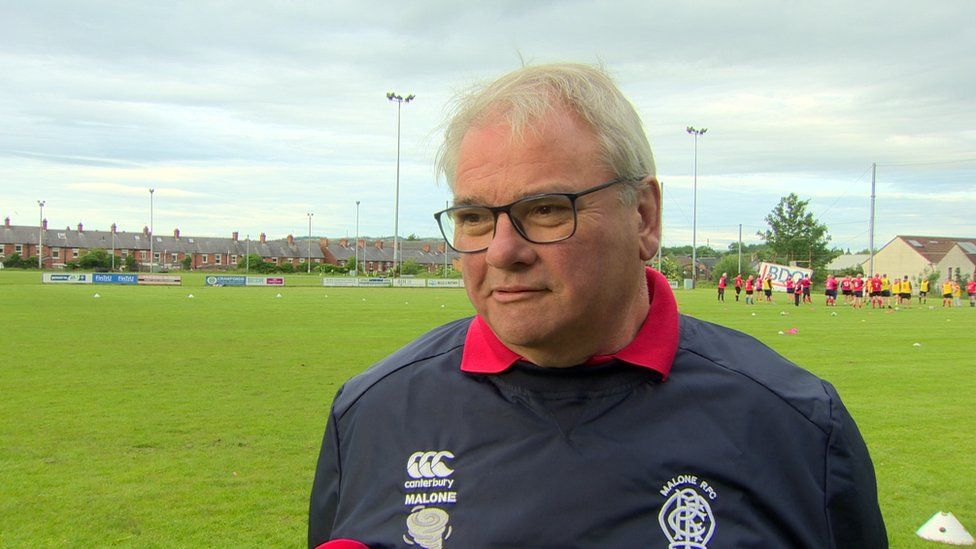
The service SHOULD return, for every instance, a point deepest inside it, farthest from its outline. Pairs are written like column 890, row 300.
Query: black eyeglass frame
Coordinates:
column 507, row 209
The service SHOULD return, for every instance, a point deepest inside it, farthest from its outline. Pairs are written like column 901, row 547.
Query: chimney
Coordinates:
column 440, row 248
column 45, row 224
column 344, row 242
column 378, row 244
column 6, row 222
column 81, row 228
column 291, row 240
column 145, row 231
column 176, row 232
column 426, row 248
column 115, row 228
column 324, row 242
column 234, row 236
column 264, row 238
column 362, row 243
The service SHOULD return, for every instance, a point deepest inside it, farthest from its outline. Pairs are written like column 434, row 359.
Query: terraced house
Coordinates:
column 59, row 246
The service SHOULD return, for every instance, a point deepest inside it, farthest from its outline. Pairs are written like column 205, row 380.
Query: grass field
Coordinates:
column 146, row 418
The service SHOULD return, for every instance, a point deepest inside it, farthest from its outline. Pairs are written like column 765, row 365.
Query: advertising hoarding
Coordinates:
column 781, row 273
column 445, row 283
column 222, row 280
column 66, row 278
column 160, row 280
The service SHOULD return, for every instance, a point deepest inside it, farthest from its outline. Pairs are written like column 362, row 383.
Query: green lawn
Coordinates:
column 145, row 417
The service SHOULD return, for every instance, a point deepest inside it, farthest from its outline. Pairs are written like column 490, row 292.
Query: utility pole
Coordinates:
column 310, row 214
column 152, row 233
column 358, row 267
column 660, row 244
column 740, row 248
column 40, row 236
column 694, row 210
column 874, row 172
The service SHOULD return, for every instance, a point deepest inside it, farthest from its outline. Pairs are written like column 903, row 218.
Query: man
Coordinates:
column 923, row 291
column 845, row 289
column 578, row 408
column 906, row 292
column 886, row 290
column 721, row 287
column 875, row 283
column 806, row 282
column 738, row 285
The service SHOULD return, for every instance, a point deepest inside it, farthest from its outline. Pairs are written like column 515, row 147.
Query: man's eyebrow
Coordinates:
column 556, row 187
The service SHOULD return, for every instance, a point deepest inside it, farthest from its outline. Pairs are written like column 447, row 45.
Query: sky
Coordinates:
column 246, row 116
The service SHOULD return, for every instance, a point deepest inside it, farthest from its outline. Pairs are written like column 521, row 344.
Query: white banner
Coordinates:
column 445, row 283
column 52, row 278
column 340, row 282
column 781, row 273
column 409, row 282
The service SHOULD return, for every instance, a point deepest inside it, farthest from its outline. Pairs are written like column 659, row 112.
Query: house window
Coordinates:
column 18, row 248
column 74, row 253
column 142, row 255
column 217, row 259
column 175, row 258
column 274, row 260
column 233, row 260
column 125, row 254
column 204, row 258
column 56, row 253
column 155, row 256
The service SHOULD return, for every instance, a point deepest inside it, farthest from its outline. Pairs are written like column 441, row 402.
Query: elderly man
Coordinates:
column 578, row 408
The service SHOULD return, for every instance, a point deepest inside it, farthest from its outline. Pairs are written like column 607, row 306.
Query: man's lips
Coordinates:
column 506, row 294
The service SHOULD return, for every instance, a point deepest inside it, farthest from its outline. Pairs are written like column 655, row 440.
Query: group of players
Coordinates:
column 881, row 291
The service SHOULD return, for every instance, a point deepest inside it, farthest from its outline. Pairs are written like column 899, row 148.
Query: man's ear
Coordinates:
column 649, row 210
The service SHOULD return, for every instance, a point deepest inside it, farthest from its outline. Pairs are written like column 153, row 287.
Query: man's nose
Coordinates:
column 507, row 247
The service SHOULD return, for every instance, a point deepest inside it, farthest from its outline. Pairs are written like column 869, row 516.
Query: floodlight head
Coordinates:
column 410, row 98
column 690, row 129
column 703, row 130
column 389, row 95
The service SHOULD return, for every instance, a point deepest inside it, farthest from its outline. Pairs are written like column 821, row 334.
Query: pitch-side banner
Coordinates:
column 51, row 278
column 781, row 273
column 265, row 281
column 445, row 283
column 111, row 278
column 160, row 280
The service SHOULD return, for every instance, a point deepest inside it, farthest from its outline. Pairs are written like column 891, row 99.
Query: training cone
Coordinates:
column 945, row 528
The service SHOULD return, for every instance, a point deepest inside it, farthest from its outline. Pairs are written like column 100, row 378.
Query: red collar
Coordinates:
column 654, row 346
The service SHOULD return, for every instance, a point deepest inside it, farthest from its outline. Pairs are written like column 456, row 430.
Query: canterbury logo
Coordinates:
column 429, row 464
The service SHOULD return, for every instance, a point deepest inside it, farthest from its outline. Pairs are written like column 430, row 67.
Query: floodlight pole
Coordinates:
column 660, row 244
column 151, row 231
column 874, row 171
column 113, row 247
column 310, row 214
column 40, row 236
column 247, row 255
column 740, row 248
column 399, row 100
column 358, row 267
column 694, row 210
column 446, row 206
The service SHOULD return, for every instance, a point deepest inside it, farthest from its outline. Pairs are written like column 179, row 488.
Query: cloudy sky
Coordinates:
column 244, row 116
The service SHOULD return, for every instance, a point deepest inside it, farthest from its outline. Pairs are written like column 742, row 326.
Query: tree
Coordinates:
column 187, row 263
column 794, row 234
column 130, row 263
column 410, row 267
column 670, row 268
column 96, row 259
column 730, row 264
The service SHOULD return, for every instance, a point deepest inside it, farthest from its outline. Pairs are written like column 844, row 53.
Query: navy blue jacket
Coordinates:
column 737, row 448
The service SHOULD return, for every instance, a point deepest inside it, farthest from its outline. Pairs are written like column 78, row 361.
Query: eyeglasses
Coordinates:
column 540, row 219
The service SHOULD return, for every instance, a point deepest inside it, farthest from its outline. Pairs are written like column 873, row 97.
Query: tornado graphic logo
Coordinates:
column 427, row 527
